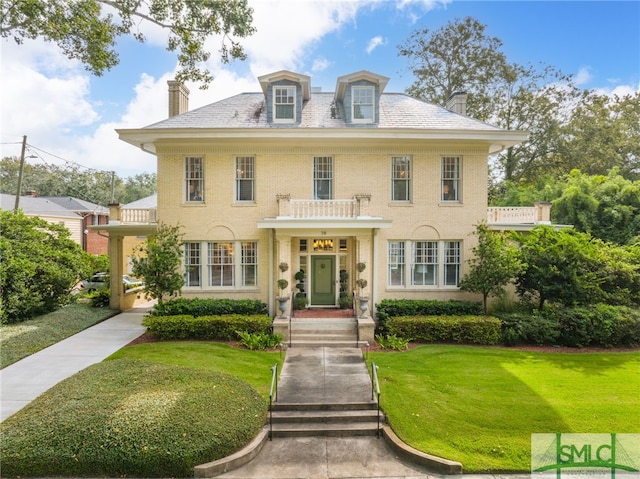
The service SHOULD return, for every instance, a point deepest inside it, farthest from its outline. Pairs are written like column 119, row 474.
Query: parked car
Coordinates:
column 101, row 281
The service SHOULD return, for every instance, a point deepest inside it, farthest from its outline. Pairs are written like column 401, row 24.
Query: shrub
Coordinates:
column 389, row 308
column 99, row 298
column 127, row 418
column 447, row 329
column 391, row 341
column 222, row 328
column 208, row 307
column 259, row 340
column 528, row 328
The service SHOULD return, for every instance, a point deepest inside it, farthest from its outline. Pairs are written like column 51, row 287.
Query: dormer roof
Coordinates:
column 303, row 80
column 343, row 81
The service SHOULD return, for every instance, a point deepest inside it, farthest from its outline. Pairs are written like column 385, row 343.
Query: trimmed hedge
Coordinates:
column 222, row 328
column 599, row 325
column 447, row 329
column 208, row 307
column 427, row 307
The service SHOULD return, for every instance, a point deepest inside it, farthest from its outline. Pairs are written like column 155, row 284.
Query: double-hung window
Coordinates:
column 430, row 264
column 245, row 178
column 451, row 177
column 362, row 98
column 284, row 103
column 323, row 178
column 400, row 178
column 217, row 265
column 220, row 264
column 194, row 179
column 192, row 265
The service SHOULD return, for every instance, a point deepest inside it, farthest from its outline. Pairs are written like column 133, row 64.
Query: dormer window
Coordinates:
column 284, row 103
column 363, row 104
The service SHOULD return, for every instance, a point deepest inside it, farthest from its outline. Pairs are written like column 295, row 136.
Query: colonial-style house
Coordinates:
column 353, row 184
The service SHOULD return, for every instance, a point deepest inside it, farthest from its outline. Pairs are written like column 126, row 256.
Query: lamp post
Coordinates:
column 22, row 158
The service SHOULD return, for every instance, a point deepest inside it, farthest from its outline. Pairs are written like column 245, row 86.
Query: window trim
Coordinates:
column 453, row 181
column 238, row 266
column 372, row 91
column 276, row 104
column 193, row 176
column 317, row 178
column 407, row 181
column 407, row 268
column 239, row 179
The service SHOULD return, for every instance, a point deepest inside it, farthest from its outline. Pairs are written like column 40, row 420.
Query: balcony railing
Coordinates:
column 356, row 207
column 538, row 214
column 134, row 215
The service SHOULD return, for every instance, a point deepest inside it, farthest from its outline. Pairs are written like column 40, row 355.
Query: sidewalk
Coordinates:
column 28, row 378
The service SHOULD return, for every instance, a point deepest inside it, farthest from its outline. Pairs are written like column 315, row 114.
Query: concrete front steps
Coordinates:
column 326, row 420
column 325, row 332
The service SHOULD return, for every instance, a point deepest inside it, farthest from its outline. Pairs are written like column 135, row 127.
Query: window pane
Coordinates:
column 451, row 179
column 245, row 176
column 221, row 264
column 362, row 103
column 194, row 179
column 323, row 178
column 452, row 263
column 249, row 264
column 425, row 263
column 284, row 99
column 192, row 264
column 396, row 263
column 401, row 178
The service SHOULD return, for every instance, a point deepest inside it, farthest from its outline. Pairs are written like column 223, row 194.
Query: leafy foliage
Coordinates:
column 392, row 341
column 97, row 187
column 388, row 308
column 132, row 418
column 447, row 329
column 158, row 260
column 87, row 31
column 493, row 265
column 208, row 307
column 206, row 327
column 259, row 341
column 40, row 265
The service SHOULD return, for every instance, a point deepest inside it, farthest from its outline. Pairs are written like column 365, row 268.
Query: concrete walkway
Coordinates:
column 25, row 380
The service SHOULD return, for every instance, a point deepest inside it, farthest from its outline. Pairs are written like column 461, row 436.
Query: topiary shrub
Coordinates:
column 221, row 328
column 447, row 329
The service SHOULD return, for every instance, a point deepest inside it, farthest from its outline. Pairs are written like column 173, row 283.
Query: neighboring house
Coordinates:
column 322, row 182
column 75, row 214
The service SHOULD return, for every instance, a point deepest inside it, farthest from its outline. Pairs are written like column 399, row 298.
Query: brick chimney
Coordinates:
column 457, row 102
column 32, row 193
column 178, row 98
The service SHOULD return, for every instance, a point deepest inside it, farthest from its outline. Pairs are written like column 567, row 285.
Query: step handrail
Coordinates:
column 353, row 305
column 273, row 396
column 375, row 388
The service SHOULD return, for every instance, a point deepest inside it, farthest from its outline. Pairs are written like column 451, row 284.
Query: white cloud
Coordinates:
column 583, row 76
column 320, row 64
column 374, row 43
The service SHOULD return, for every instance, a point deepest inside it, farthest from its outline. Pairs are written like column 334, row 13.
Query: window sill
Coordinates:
column 450, row 203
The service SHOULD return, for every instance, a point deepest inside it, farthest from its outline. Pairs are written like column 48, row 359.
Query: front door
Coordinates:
column 323, row 280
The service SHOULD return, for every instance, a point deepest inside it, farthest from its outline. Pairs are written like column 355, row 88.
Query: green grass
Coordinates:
column 129, row 418
column 480, row 405
column 17, row 341
column 250, row 366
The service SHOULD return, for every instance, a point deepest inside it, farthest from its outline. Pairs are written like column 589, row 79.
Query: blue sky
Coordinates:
column 70, row 116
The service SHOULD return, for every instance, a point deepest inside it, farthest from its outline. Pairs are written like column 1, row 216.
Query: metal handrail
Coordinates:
column 273, row 393
column 355, row 312
column 375, row 388
column 290, row 316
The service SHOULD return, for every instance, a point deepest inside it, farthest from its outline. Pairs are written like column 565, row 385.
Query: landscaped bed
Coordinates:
column 480, row 405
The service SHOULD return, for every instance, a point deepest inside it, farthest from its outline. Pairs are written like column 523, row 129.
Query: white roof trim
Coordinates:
column 343, row 81
column 303, row 80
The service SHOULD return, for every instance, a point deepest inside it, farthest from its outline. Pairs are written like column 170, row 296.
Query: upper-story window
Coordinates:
column 284, row 103
column 245, row 178
column 362, row 98
column 322, row 178
column 451, row 178
column 400, row 178
column 194, row 179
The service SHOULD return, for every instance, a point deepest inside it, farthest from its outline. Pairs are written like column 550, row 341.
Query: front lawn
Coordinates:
column 480, row 405
column 19, row 340
column 151, row 410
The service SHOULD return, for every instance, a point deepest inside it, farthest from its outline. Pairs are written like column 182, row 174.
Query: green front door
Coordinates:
column 323, row 281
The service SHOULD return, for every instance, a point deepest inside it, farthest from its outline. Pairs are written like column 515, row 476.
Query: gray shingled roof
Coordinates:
column 147, row 202
column 78, row 205
column 36, row 206
column 397, row 110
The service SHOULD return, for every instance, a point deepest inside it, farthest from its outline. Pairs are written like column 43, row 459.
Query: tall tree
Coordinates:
column 87, row 30
column 456, row 57
column 494, row 264
column 158, row 261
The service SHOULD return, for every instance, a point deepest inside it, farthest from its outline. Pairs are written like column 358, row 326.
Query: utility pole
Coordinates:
column 19, row 191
